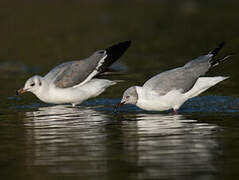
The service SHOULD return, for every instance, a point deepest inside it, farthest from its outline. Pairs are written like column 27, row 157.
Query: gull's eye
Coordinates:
column 127, row 97
column 32, row 84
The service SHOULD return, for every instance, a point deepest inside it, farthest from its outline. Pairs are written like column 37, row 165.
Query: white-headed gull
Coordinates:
column 74, row 82
column 170, row 89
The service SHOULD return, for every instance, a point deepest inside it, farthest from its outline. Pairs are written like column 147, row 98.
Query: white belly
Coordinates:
column 62, row 96
column 153, row 102
column 74, row 95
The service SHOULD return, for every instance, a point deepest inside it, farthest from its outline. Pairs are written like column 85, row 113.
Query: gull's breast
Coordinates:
column 152, row 101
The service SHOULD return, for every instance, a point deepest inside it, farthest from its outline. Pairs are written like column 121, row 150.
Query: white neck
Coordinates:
column 140, row 93
column 41, row 89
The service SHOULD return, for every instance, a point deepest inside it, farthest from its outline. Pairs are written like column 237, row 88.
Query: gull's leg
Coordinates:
column 175, row 112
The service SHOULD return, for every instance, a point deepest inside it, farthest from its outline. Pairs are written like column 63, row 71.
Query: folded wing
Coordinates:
column 184, row 78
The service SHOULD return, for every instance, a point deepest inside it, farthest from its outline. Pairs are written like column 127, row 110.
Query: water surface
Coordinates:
column 42, row 141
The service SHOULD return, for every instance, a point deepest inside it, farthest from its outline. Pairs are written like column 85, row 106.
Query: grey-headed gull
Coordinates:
column 170, row 89
column 74, row 82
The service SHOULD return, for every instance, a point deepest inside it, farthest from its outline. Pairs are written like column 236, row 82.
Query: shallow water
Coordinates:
column 41, row 141
column 90, row 141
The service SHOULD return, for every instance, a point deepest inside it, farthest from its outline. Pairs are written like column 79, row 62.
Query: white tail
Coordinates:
column 202, row 84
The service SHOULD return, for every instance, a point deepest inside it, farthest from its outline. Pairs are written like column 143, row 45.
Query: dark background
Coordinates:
column 36, row 35
column 165, row 33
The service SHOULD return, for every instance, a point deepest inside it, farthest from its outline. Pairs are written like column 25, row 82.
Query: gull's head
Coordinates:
column 33, row 84
column 130, row 96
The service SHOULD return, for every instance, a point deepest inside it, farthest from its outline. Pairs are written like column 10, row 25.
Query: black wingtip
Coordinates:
column 216, row 50
column 115, row 52
column 118, row 49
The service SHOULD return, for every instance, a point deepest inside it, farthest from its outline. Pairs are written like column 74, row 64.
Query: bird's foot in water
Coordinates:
column 175, row 112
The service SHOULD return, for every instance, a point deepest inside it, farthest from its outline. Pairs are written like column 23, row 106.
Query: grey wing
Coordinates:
column 179, row 79
column 79, row 72
column 76, row 72
column 184, row 78
column 202, row 64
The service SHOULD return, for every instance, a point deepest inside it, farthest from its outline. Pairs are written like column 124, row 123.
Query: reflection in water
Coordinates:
column 63, row 135
column 83, row 141
column 170, row 146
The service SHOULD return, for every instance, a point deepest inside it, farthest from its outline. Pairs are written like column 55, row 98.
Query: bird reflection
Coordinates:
column 60, row 112
column 162, row 124
column 84, row 141
column 62, row 133
column 169, row 145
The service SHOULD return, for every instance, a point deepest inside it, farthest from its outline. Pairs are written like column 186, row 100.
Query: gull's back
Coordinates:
column 182, row 78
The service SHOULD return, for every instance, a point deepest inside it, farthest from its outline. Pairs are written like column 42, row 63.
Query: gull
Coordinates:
column 75, row 81
column 170, row 89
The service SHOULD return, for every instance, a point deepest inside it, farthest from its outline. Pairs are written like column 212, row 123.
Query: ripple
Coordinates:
column 224, row 104
column 67, row 138
column 212, row 104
